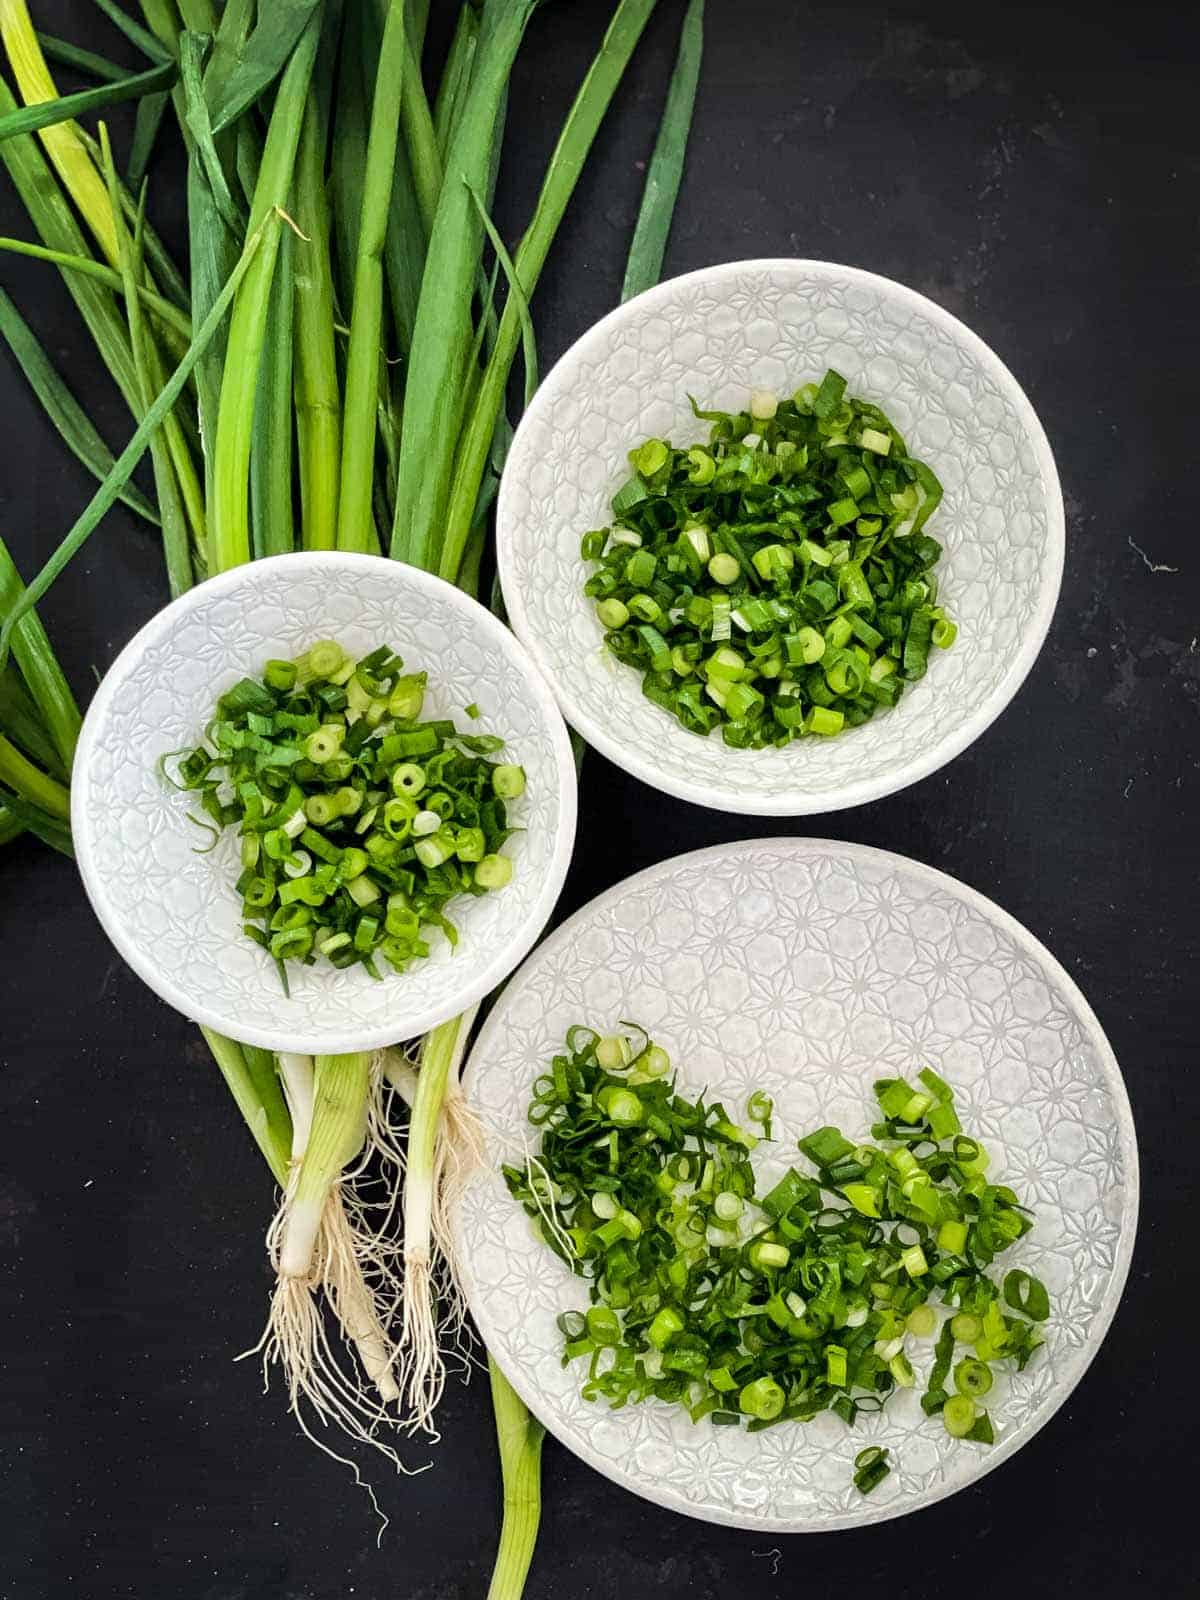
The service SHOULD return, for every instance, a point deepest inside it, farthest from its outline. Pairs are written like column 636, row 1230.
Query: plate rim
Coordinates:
column 492, row 972
column 1127, row 1240
column 795, row 802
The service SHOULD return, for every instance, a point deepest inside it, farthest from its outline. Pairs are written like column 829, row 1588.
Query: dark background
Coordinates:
column 1034, row 170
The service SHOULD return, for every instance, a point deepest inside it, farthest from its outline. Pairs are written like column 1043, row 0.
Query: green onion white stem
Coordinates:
column 420, row 1358
column 323, row 1145
column 458, row 1154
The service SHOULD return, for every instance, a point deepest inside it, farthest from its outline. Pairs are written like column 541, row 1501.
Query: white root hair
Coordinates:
column 320, row 1381
column 353, row 1265
column 434, row 1322
column 458, row 1156
column 541, row 1187
column 396, row 1302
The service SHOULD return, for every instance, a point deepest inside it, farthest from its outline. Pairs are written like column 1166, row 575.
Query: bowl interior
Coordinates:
column 716, row 334
column 808, row 969
column 173, row 912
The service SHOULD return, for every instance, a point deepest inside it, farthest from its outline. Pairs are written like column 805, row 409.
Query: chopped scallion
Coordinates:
column 312, row 764
column 800, row 525
column 795, row 1302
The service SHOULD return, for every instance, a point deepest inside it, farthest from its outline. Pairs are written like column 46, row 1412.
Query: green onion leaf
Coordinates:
column 644, row 266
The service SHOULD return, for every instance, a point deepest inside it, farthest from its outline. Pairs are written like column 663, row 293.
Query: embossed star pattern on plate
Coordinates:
column 809, row 968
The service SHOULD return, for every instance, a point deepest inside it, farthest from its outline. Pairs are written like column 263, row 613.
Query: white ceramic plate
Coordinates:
column 174, row 915
column 808, row 969
column 716, row 334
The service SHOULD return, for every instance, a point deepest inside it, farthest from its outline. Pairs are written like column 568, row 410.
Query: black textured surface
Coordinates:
column 1036, row 171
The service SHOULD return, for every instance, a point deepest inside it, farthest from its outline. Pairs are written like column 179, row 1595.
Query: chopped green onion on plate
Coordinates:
column 754, row 1309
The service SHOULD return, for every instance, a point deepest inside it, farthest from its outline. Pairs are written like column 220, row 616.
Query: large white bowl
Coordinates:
column 173, row 914
column 808, row 969
column 716, row 334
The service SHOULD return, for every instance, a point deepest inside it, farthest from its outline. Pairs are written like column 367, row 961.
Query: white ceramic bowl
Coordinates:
column 173, row 914
column 808, row 969
column 716, row 334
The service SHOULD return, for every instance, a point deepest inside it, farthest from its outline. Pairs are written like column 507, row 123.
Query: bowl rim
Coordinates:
column 797, row 801
column 493, row 970
column 809, row 847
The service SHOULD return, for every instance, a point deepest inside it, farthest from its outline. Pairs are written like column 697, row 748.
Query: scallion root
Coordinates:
column 440, row 1121
column 458, row 1154
column 319, row 1379
column 329, row 1243
column 350, row 1255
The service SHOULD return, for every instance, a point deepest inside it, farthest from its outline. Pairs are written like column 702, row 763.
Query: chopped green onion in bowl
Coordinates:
column 775, row 582
column 359, row 821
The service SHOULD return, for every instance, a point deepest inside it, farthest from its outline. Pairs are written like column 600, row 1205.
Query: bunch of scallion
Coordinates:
column 332, row 372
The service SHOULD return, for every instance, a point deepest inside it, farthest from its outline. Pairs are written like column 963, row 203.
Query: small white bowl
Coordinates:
column 173, row 914
column 717, row 334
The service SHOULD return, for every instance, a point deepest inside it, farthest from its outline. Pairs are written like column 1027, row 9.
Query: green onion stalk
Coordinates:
column 362, row 357
column 249, row 320
column 444, row 1147
column 519, row 1436
column 321, row 1245
column 437, row 1171
column 444, row 538
column 72, row 159
column 39, row 724
column 323, row 173
column 417, row 540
